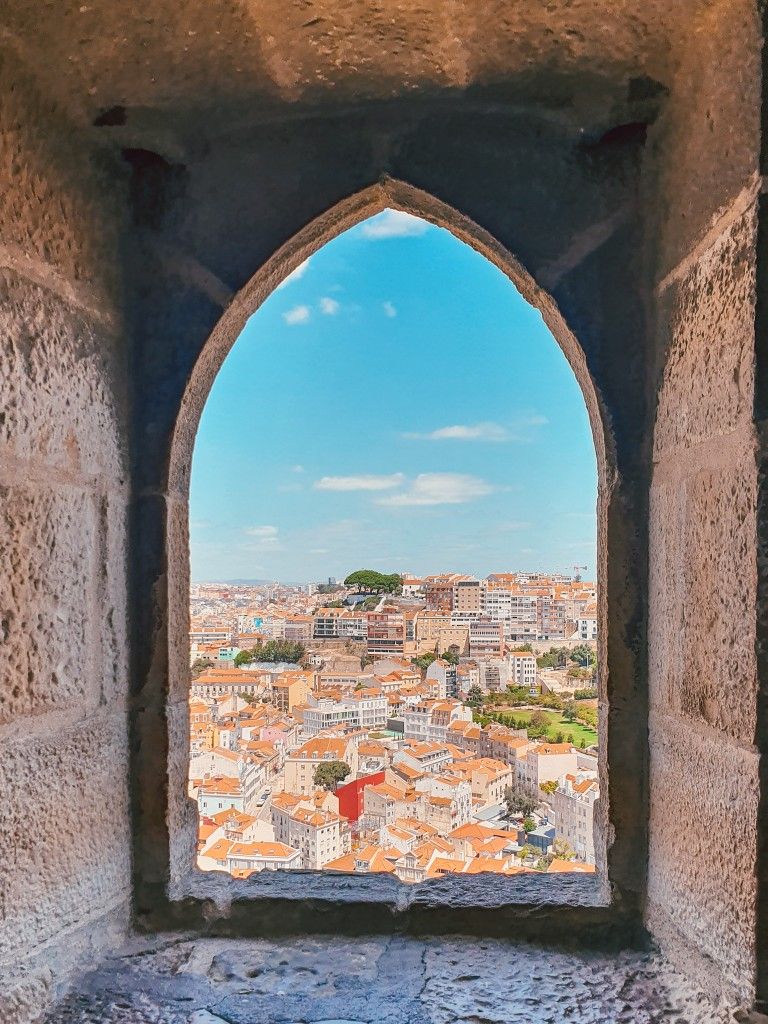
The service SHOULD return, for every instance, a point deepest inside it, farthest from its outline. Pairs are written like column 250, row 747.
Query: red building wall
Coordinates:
column 351, row 795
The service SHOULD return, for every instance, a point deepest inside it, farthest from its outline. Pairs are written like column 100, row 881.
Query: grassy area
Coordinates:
column 557, row 724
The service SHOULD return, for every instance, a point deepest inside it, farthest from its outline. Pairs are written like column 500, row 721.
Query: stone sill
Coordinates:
column 298, row 902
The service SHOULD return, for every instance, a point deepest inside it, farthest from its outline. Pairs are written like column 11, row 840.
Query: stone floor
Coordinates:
column 380, row 981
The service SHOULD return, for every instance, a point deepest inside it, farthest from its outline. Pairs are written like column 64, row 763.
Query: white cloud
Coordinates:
column 515, row 524
column 265, row 538
column 319, row 551
column 297, row 315
column 365, row 482
column 330, row 307
column 262, row 531
column 297, row 469
column 463, row 432
column 393, row 224
column 294, row 275
column 389, row 308
column 439, row 489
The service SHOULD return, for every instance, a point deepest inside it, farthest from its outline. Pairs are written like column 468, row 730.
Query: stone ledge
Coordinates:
column 306, row 902
column 397, row 980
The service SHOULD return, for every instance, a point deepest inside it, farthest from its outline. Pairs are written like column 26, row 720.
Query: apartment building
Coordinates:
column 573, row 807
column 586, row 623
column 291, row 689
column 363, row 709
column 443, row 675
column 545, row 763
column 486, row 637
column 221, row 682
column 468, row 597
column 522, row 669
column 424, row 757
column 310, row 826
column 219, row 793
column 385, row 632
column 301, row 764
column 487, row 777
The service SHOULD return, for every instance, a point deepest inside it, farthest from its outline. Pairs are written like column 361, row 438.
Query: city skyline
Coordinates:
column 340, row 432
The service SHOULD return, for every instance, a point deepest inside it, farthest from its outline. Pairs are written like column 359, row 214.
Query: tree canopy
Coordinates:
column 372, row 582
column 272, row 651
column 475, row 696
column 555, row 657
column 329, row 774
column 423, row 661
column 583, row 655
column 519, row 803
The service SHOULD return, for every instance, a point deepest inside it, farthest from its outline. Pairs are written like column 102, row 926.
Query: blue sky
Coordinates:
column 394, row 404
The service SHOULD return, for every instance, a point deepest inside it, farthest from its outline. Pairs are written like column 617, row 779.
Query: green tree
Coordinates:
column 569, row 738
column 562, row 849
column 200, row 665
column 548, row 787
column 588, row 716
column 583, row 655
column 366, row 660
column 528, row 825
column 372, row 582
column 423, row 661
column 329, row 774
column 528, row 851
column 452, row 655
column 519, row 803
column 556, row 657
column 475, row 696
column 570, row 711
column 538, row 724
column 559, row 736
column 273, row 651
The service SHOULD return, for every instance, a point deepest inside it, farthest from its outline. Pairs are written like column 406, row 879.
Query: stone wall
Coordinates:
column 63, row 502
column 702, row 194
column 615, row 155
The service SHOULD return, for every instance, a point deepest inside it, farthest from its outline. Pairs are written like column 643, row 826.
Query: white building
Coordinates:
column 360, row 710
column 573, row 806
column 311, row 827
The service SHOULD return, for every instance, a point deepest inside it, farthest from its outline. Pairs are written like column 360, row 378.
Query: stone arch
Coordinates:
column 386, row 193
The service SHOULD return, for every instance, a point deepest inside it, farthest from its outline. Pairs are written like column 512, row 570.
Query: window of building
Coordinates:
column 393, row 530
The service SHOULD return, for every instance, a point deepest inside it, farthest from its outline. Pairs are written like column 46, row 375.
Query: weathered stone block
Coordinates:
column 58, row 384
column 65, row 826
column 703, row 593
column 703, row 150
column 58, row 206
column 112, row 597
column 709, row 318
column 701, row 870
column 48, row 550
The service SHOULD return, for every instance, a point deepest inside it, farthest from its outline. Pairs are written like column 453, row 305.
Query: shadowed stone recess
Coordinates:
column 381, row 981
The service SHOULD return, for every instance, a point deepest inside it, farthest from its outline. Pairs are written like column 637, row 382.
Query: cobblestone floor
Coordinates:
column 381, row 981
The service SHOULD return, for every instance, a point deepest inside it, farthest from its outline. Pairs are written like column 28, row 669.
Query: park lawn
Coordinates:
column 559, row 724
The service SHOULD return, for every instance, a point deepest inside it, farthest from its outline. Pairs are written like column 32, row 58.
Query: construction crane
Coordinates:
column 577, row 571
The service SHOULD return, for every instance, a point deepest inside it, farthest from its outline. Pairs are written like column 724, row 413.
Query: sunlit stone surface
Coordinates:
column 381, row 981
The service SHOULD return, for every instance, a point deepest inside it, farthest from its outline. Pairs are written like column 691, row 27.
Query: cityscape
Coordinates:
column 386, row 723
